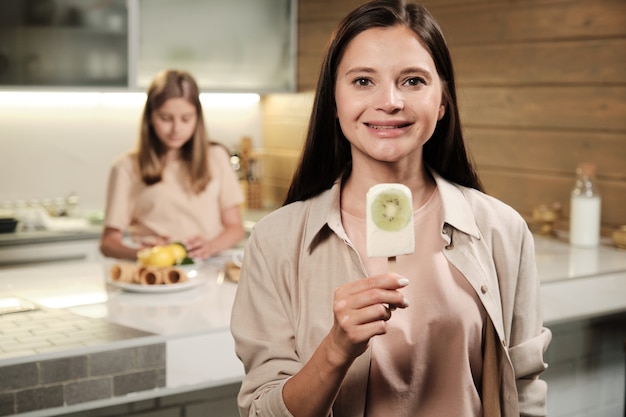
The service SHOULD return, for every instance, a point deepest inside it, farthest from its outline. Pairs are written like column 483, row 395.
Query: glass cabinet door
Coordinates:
column 64, row 43
column 227, row 45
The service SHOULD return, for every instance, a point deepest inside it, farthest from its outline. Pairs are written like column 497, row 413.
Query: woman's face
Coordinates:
column 174, row 122
column 388, row 95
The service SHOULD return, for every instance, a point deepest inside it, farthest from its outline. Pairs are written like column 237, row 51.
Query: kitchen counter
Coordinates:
column 27, row 237
column 579, row 284
column 186, row 334
column 48, row 236
column 37, row 246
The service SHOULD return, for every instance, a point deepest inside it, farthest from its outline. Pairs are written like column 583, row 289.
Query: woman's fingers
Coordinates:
column 362, row 308
column 379, row 289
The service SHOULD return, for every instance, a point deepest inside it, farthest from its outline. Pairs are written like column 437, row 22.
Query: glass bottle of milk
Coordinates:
column 585, row 208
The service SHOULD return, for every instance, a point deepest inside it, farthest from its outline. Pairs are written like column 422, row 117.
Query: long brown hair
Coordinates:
column 326, row 154
column 194, row 154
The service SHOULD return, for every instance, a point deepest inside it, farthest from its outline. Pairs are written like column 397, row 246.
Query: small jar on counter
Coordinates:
column 585, row 208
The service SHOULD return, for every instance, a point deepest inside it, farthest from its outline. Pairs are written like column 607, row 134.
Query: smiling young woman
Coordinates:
column 312, row 320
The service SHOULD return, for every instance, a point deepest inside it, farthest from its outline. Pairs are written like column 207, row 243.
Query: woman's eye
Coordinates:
column 161, row 116
column 362, row 82
column 415, row 81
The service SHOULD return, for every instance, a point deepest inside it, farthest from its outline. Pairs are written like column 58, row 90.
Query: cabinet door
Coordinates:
column 234, row 45
column 64, row 43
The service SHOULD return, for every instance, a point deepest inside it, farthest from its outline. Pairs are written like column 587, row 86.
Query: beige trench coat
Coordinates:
column 299, row 254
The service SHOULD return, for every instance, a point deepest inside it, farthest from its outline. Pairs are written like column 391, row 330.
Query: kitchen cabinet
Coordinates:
column 62, row 43
column 235, row 45
column 229, row 46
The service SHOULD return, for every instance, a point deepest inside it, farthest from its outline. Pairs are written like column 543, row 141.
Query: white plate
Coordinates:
column 193, row 281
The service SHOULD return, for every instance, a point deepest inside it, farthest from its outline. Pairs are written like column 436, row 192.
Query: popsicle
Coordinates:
column 389, row 223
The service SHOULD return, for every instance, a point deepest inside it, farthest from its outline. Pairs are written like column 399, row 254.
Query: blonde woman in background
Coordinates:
column 177, row 185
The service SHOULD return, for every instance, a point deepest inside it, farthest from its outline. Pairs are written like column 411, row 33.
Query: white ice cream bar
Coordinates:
column 389, row 224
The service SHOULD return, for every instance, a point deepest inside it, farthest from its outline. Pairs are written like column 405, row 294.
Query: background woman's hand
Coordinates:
column 361, row 310
column 152, row 241
column 199, row 248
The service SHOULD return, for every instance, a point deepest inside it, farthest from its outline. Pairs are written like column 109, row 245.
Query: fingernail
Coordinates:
column 405, row 302
column 403, row 282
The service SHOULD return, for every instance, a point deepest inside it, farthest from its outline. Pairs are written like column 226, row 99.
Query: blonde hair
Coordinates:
column 194, row 154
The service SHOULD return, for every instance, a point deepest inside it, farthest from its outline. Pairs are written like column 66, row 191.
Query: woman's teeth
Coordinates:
column 381, row 127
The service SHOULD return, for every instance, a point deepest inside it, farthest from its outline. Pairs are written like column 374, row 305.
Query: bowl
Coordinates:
column 8, row 225
column 619, row 237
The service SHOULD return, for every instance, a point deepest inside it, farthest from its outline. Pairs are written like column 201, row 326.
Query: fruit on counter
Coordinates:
column 178, row 250
column 164, row 255
column 187, row 261
column 156, row 256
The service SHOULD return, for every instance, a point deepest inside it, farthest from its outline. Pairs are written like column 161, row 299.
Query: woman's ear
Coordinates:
column 442, row 111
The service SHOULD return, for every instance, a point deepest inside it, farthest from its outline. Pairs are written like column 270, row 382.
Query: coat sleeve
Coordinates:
column 528, row 338
column 262, row 327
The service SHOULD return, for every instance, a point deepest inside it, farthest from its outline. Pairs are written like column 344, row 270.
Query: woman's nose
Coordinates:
column 389, row 99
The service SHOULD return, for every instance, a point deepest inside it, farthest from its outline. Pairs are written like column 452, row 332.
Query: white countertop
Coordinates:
column 579, row 284
column 576, row 284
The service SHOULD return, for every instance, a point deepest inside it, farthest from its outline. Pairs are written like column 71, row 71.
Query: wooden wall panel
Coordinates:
column 601, row 108
column 542, row 63
column 284, row 129
column 511, row 21
column 548, row 152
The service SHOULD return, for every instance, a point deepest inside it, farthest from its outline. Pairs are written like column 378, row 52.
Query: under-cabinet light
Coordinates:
column 48, row 99
column 229, row 99
column 13, row 99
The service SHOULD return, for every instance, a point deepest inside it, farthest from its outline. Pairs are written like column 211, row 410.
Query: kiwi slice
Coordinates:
column 391, row 210
column 186, row 261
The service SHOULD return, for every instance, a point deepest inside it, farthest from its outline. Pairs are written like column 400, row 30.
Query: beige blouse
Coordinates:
column 167, row 208
column 432, row 349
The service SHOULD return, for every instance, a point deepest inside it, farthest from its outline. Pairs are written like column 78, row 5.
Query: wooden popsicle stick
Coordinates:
column 391, row 263
column 391, row 266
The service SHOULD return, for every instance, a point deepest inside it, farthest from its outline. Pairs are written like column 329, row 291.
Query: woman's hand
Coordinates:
column 199, row 248
column 152, row 241
column 361, row 309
